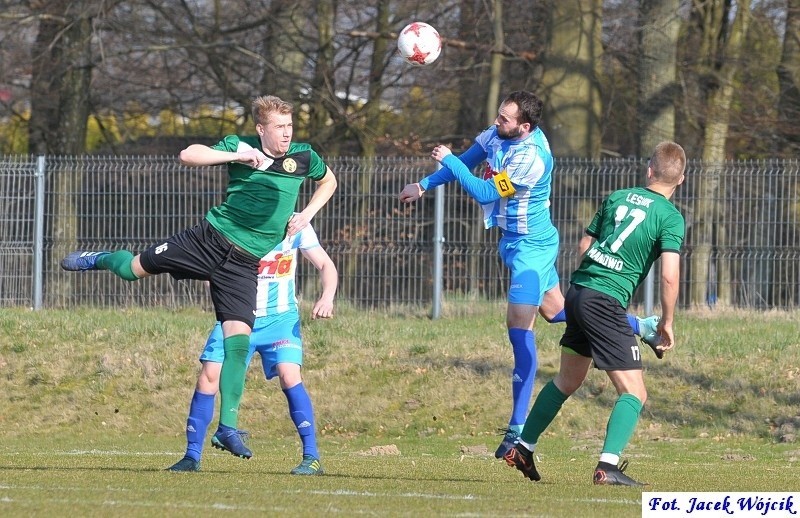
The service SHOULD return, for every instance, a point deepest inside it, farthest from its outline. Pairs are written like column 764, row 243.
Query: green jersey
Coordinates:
column 259, row 202
column 632, row 228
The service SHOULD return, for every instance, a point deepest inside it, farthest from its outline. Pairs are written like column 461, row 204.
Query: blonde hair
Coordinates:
column 668, row 162
column 265, row 105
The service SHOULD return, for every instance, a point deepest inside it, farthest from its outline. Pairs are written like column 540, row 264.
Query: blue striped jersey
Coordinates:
column 529, row 164
column 276, row 273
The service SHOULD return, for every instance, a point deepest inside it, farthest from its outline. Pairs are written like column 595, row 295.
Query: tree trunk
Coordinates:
column 657, row 73
column 569, row 85
column 45, row 87
column 496, row 67
column 323, row 85
column 74, row 98
column 710, row 207
column 789, row 79
column 61, row 78
column 479, row 234
column 472, row 79
column 281, row 78
column 373, row 129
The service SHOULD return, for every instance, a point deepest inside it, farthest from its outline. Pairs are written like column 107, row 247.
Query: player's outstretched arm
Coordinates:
column 200, row 155
column 483, row 191
column 411, row 193
column 414, row 191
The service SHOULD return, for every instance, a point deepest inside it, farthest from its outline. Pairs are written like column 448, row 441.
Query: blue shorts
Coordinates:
column 276, row 338
column 532, row 262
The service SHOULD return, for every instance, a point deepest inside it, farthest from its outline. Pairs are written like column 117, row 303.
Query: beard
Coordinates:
column 515, row 133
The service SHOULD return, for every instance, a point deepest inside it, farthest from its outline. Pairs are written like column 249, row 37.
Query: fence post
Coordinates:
column 438, row 240
column 38, row 232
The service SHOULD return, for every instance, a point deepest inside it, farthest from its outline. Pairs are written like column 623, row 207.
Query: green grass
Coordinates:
column 96, row 400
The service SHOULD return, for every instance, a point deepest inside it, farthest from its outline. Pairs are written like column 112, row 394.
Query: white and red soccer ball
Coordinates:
column 419, row 44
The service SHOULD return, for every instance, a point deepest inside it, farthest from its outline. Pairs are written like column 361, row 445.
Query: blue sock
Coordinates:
column 561, row 316
column 302, row 414
column 634, row 322
column 523, row 343
column 201, row 412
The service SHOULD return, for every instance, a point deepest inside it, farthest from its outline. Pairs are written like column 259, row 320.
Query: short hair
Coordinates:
column 529, row 105
column 266, row 105
column 668, row 162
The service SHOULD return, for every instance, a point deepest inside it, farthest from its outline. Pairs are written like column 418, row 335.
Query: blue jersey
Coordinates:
column 529, row 165
column 276, row 273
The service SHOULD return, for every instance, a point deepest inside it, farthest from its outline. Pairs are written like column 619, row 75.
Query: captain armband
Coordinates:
column 503, row 184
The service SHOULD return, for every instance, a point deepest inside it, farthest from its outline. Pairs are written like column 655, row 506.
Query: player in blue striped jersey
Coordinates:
column 515, row 196
column 276, row 337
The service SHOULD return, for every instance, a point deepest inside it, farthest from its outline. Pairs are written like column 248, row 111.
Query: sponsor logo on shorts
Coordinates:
column 284, row 344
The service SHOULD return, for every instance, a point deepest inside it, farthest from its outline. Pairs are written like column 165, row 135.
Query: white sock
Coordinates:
column 525, row 445
column 610, row 458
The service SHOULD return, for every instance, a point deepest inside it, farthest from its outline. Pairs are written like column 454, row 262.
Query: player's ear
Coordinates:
column 260, row 130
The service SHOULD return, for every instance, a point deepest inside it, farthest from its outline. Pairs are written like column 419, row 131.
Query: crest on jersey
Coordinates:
column 289, row 165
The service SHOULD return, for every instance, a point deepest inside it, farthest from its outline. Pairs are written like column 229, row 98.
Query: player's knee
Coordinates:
column 208, row 379
column 567, row 385
column 289, row 375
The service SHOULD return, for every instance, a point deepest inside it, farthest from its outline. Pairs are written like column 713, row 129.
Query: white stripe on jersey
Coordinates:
column 276, row 273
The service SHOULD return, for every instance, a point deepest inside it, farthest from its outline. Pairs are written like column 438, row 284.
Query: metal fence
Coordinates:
column 383, row 249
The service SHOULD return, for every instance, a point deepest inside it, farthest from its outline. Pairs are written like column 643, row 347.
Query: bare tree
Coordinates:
column 61, row 74
column 789, row 81
column 657, row 72
column 570, row 83
column 721, row 31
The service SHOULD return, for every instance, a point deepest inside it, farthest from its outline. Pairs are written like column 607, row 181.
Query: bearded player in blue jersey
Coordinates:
column 515, row 196
column 277, row 339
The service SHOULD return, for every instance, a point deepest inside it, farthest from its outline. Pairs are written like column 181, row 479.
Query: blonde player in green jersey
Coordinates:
column 265, row 174
column 632, row 229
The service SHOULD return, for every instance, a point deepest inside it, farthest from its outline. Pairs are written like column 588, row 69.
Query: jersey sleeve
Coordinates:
column 671, row 238
column 228, row 143
column 317, row 167
column 594, row 227
column 308, row 239
column 471, row 157
column 483, row 191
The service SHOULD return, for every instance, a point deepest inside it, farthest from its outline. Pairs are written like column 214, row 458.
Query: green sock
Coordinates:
column 119, row 263
column 621, row 423
column 545, row 409
column 231, row 379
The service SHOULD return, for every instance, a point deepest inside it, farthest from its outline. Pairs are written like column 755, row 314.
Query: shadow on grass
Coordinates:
column 233, row 471
column 736, row 402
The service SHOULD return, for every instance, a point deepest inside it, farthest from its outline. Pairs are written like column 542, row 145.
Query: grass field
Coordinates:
column 407, row 413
